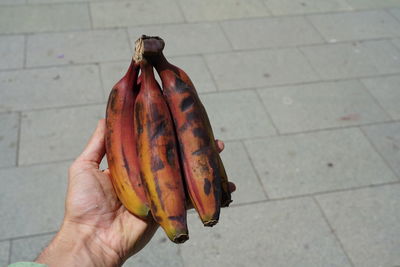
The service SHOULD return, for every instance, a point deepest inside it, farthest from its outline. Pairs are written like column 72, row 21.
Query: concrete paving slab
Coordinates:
column 186, row 39
column 8, row 139
column 286, row 7
column 237, row 115
column 50, row 87
column 40, row 18
column 159, row 252
column 386, row 91
column 317, row 162
column 386, row 139
column 207, row 10
column 395, row 12
column 38, row 192
column 366, row 222
column 240, row 171
column 28, row 249
column 267, row 32
column 11, row 52
column 239, row 70
column 373, row 4
column 41, row 132
column 108, row 14
column 282, row 233
column 321, row 105
column 4, row 252
column 12, row 2
column 346, row 60
column 361, row 25
column 77, row 47
column 396, row 42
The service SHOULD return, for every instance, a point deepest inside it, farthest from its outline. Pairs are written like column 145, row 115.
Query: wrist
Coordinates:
column 78, row 245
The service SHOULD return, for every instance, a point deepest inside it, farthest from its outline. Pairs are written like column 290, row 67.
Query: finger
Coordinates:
column 220, row 145
column 95, row 149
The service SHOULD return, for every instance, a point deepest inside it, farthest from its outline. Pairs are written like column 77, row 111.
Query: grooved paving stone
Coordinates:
column 356, row 25
column 317, row 162
column 374, row 3
column 38, row 192
column 386, row 139
column 346, row 60
column 50, row 87
column 194, row 66
column 39, row 18
column 207, row 10
column 367, row 223
column 57, row 134
column 77, row 47
column 280, row 233
column 27, row 249
column 386, row 91
column 159, row 252
column 283, row 7
column 251, row 69
column 11, row 52
column 252, row 33
column 236, row 115
column 186, row 39
column 129, row 13
column 8, row 139
column 4, row 252
column 321, row 105
column 239, row 170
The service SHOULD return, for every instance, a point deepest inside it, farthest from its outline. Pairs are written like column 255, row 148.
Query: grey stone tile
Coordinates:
column 395, row 12
column 356, row 25
column 50, row 87
column 283, row 7
column 396, row 42
column 207, row 10
column 38, row 192
column 386, row 139
column 250, row 69
column 57, row 1
column 77, row 47
column 159, row 252
column 367, row 223
column 321, row 105
column 186, row 39
column 12, row 2
column 374, row 3
column 4, row 252
column 280, row 233
column 346, row 60
column 267, row 32
column 194, row 66
column 8, row 139
column 27, row 249
column 240, row 171
column 57, row 134
column 317, row 162
column 11, row 52
column 129, row 13
column 236, row 115
column 39, row 18
column 386, row 91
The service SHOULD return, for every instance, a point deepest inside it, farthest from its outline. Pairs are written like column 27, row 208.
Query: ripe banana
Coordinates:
column 204, row 173
column 121, row 144
column 158, row 157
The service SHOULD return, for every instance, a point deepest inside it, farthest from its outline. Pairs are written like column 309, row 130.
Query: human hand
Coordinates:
column 97, row 229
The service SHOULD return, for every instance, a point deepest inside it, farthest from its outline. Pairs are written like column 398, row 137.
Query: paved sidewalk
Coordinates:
column 305, row 93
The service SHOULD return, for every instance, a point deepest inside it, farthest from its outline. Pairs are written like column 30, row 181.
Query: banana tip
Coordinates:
column 181, row 238
column 210, row 223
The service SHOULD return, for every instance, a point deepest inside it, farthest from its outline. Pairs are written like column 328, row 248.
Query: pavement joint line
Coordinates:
column 28, row 236
column 18, row 138
column 309, row 22
column 255, row 170
column 365, row 88
column 214, row 81
column 130, row 44
column 25, row 55
column 269, row 117
column 379, row 153
column 225, row 35
column 103, row 89
column 40, row 164
column 181, row 11
column 332, row 230
column 391, row 14
column 90, row 15
column 309, row 63
column 9, row 251
column 171, row 23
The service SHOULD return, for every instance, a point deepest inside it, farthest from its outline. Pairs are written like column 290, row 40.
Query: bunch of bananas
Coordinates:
column 160, row 147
